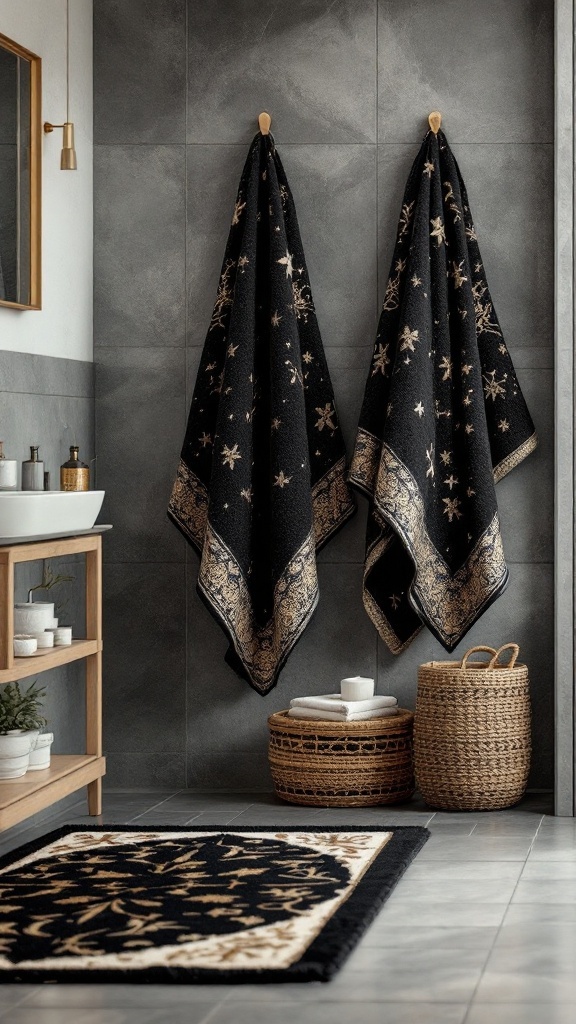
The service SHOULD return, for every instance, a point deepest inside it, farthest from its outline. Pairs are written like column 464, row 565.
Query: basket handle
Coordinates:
column 506, row 647
column 473, row 650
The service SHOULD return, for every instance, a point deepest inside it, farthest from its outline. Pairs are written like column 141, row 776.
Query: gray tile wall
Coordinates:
column 50, row 402
column 178, row 88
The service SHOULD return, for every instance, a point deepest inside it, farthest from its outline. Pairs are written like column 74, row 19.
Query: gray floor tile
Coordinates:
column 520, row 1013
column 12, row 995
column 404, row 937
column 540, row 912
column 560, row 846
column 468, row 848
column 70, row 998
column 499, row 985
column 554, row 939
column 545, row 870
column 545, row 890
column 325, row 1012
column 444, row 985
column 441, row 914
column 473, row 870
column 455, row 890
column 422, row 960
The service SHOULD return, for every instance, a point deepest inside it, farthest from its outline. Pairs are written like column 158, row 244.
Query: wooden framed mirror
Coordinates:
column 20, row 176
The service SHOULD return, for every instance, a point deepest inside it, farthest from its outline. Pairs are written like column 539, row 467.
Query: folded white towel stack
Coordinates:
column 331, row 707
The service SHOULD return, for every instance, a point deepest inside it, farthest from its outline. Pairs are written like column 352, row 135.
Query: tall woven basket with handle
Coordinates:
column 472, row 732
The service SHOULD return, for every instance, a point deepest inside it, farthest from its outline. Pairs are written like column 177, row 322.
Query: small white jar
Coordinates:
column 24, row 646
column 63, row 636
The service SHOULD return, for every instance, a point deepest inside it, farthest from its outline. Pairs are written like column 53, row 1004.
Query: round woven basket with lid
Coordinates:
column 472, row 732
column 342, row 764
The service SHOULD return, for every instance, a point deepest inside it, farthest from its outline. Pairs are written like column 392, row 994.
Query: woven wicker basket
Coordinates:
column 342, row 764
column 472, row 732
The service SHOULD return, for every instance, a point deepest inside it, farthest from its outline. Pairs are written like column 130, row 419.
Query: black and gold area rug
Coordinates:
column 194, row 905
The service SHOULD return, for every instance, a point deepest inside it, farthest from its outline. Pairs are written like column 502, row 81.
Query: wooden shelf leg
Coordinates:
column 6, row 610
column 94, row 670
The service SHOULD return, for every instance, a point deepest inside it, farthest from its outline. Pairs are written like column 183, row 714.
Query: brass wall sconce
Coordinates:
column 68, row 155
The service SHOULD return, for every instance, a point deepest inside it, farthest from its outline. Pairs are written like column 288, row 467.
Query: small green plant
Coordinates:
column 21, row 710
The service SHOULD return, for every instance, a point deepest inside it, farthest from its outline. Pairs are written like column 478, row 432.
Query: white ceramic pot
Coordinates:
column 14, row 754
column 40, row 753
column 24, row 645
column 45, row 639
column 32, row 616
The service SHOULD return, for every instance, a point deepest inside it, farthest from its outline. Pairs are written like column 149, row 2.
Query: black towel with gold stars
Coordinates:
column 261, row 483
column 443, row 420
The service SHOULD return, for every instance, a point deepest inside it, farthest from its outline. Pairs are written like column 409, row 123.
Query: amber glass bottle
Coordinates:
column 74, row 475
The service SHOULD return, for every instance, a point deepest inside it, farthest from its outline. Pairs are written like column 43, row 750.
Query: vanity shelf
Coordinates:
column 19, row 798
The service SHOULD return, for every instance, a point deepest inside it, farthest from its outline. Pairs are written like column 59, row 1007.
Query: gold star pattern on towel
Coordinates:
column 231, row 350
column 415, row 280
column 381, row 359
column 238, row 208
column 456, row 273
column 287, row 262
column 446, row 365
column 205, row 439
column 275, row 319
column 446, row 458
column 281, row 480
column 395, row 600
column 451, row 481
column 492, row 387
column 419, row 409
column 325, row 419
column 246, row 493
column 231, row 455
column 276, row 423
column 407, row 339
column 503, row 426
column 243, row 262
column 430, row 458
column 452, row 508
column 307, row 357
column 428, row 168
column 438, row 230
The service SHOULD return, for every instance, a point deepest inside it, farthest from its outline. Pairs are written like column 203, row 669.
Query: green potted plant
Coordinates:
column 20, row 724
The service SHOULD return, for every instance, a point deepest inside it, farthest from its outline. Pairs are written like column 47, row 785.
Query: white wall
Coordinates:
column 63, row 327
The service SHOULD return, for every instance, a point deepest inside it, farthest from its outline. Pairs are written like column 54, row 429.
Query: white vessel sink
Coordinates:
column 36, row 513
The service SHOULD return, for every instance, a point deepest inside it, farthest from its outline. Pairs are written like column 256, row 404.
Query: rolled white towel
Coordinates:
column 333, row 716
column 333, row 702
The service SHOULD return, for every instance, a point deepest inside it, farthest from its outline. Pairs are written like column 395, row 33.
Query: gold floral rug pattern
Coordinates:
column 194, row 904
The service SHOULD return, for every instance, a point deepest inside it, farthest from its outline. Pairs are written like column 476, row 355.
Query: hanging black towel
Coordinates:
column 261, row 483
column 443, row 419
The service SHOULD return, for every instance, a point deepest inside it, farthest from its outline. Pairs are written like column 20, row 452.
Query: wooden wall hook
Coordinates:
column 435, row 120
column 264, row 122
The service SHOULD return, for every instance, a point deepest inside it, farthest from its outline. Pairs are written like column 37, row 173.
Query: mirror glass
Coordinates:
column 19, row 176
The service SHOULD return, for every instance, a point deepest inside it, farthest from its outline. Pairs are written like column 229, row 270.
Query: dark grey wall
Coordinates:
column 349, row 85
column 50, row 402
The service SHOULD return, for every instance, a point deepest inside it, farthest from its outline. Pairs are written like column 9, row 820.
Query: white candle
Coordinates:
column 356, row 688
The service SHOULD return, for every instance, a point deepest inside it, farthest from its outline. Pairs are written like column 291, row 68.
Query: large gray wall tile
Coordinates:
column 139, row 247
column 140, row 417
column 145, row 630
column 523, row 614
column 162, row 770
column 139, row 71
column 46, row 375
column 312, row 65
column 488, row 67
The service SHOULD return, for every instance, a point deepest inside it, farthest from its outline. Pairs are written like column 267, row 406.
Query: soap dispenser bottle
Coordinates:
column 33, row 472
column 74, row 475
column 8, row 471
